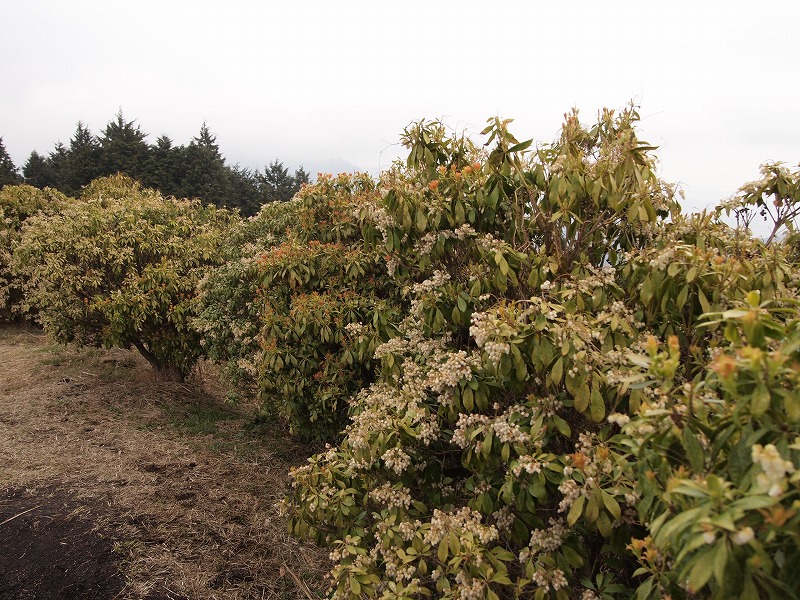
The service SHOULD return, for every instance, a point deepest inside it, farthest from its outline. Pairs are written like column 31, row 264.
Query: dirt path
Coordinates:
column 114, row 485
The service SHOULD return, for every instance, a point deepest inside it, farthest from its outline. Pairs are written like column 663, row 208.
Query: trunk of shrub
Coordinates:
column 165, row 371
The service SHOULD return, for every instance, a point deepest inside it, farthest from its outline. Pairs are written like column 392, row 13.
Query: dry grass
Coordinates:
column 167, row 470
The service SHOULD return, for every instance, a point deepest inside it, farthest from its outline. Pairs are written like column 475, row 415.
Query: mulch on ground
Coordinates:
column 136, row 488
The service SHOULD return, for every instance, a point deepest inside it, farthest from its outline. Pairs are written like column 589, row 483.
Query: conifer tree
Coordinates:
column 8, row 172
column 204, row 174
column 82, row 163
column 38, row 171
column 276, row 182
column 162, row 170
column 124, row 149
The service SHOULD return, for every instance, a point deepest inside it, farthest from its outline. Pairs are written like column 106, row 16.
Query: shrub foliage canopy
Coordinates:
column 120, row 268
column 536, row 376
column 589, row 394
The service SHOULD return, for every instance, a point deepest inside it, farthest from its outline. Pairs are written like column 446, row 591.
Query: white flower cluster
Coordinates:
column 425, row 244
column 491, row 244
column 437, row 280
column 465, row 422
column 547, row 406
column 468, row 588
column 664, row 258
column 594, row 278
column 341, row 551
column 463, row 520
column 503, row 518
column 548, row 540
column 378, row 216
column 451, row 368
column 570, row 490
column 356, row 329
column 618, row 419
column 464, row 231
column 391, row 497
column 529, row 464
column 775, row 468
column 501, row 426
column 397, row 460
column 382, row 401
column 428, row 431
column 489, row 333
column 509, row 433
column 554, row 579
column 743, row 536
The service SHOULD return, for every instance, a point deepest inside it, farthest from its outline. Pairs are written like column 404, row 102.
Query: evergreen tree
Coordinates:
column 39, row 172
column 301, row 176
column 276, row 182
column 204, row 173
column 162, row 170
column 9, row 175
column 82, row 161
column 207, row 140
column 124, row 149
column 58, row 164
column 245, row 192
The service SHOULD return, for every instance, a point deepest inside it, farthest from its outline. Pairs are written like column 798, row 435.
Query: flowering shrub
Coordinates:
column 227, row 313
column 17, row 203
column 528, row 434
column 298, row 315
column 719, row 458
column 781, row 212
column 120, row 267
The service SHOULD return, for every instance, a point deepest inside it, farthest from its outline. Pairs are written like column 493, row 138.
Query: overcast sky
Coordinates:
column 332, row 84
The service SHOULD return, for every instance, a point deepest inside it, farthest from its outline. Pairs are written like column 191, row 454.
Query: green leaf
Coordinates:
column 444, row 550
column 646, row 293
column 562, row 426
column 597, row 409
column 704, row 303
column 592, row 509
column 557, row 371
column 720, row 561
column 694, row 451
column 604, row 525
column 420, row 221
column 467, row 399
column 573, row 558
column 702, row 570
column 521, row 146
column 611, row 504
column 582, row 397
column 576, row 510
column 682, row 297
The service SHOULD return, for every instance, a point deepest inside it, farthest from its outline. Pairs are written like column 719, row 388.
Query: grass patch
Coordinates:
column 199, row 419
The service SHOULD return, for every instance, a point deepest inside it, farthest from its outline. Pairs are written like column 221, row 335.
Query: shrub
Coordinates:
column 529, row 435
column 120, row 267
column 298, row 314
column 17, row 203
column 226, row 307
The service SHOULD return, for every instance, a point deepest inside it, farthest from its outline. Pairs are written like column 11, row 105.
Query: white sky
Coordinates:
column 332, row 84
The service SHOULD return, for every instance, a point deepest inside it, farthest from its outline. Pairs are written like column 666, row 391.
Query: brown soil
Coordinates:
column 114, row 485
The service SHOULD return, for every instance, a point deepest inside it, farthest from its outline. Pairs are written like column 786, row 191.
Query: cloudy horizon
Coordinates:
column 316, row 83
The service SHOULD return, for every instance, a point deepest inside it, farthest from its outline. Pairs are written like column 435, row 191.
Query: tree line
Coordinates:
column 196, row 170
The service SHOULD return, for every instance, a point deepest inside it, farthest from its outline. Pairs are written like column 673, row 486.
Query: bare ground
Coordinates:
column 117, row 485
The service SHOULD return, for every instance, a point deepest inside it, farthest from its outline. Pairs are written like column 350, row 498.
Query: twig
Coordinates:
column 20, row 514
column 299, row 583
